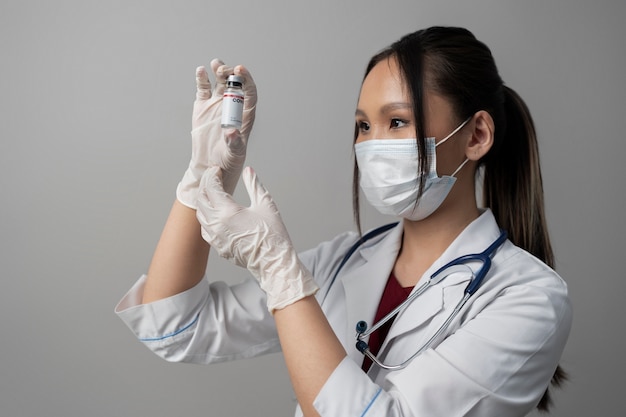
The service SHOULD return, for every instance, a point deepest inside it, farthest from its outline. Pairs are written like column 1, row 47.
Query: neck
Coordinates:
column 424, row 241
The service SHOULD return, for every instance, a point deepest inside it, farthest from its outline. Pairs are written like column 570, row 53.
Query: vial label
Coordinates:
column 232, row 110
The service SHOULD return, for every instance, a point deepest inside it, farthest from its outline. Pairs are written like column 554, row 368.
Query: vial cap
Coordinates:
column 234, row 80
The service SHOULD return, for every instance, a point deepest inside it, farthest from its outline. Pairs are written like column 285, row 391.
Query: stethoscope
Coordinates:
column 457, row 265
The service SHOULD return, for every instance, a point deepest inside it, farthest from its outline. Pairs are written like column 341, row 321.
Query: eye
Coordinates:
column 363, row 126
column 398, row 123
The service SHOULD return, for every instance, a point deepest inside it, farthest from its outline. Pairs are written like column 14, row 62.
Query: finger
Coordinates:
column 259, row 196
column 213, row 194
column 215, row 64
column 221, row 71
column 203, row 85
column 249, row 87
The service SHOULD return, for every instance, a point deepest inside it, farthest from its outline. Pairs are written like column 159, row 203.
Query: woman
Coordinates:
column 432, row 110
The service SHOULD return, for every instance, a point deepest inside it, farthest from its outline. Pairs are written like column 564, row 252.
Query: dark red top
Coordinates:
column 393, row 295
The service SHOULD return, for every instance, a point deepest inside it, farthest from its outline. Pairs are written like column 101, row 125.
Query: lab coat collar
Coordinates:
column 476, row 237
column 364, row 283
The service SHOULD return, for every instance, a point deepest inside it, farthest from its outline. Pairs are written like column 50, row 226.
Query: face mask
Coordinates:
column 390, row 180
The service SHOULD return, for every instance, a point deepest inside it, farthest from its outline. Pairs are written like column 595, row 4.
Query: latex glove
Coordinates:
column 253, row 237
column 210, row 144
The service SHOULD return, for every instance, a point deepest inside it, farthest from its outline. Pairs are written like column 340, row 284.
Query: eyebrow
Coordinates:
column 387, row 108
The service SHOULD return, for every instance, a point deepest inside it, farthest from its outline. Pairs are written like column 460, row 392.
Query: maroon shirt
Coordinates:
column 393, row 295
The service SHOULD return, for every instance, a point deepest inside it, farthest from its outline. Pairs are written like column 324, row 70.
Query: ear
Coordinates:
column 483, row 130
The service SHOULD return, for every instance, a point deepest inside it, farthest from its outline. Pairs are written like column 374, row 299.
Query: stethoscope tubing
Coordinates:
column 435, row 278
column 362, row 346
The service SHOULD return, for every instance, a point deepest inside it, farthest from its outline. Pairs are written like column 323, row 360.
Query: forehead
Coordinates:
column 384, row 83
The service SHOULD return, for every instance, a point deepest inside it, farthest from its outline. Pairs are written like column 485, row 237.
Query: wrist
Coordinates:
column 187, row 190
column 291, row 287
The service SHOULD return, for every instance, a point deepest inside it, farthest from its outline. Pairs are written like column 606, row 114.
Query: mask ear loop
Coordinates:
column 460, row 166
column 448, row 137
column 453, row 132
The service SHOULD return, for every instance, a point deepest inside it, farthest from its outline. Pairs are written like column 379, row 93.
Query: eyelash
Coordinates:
column 364, row 126
column 404, row 123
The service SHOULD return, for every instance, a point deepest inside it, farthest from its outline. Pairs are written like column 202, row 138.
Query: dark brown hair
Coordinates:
column 453, row 63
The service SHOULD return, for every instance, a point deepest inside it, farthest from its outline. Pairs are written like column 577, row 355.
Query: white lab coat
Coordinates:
column 495, row 359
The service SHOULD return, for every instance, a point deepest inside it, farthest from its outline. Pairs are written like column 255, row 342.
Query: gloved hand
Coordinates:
column 253, row 237
column 210, row 144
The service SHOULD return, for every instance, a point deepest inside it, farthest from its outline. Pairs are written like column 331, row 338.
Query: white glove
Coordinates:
column 253, row 237
column 210, row 144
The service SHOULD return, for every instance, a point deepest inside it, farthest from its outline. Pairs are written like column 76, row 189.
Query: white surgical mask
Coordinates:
column 390, row 180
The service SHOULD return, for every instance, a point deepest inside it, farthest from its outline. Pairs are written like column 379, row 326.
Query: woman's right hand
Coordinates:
column 212, row 145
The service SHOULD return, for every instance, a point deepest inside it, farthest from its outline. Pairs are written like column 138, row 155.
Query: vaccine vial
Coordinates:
column 232, row 103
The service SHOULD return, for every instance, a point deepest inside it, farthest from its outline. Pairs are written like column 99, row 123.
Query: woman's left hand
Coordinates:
column 253, row 237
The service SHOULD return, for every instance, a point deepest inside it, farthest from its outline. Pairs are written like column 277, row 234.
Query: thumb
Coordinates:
column 249, row 87
column 259, row 196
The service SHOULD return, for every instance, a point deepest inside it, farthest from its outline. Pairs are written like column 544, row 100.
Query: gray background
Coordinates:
column 95, row 105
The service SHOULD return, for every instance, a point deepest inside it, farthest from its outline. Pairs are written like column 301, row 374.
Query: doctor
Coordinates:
column 431, row 110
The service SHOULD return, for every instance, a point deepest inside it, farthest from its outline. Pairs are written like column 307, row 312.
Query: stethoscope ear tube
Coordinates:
column 361, row 346
column 361, row 327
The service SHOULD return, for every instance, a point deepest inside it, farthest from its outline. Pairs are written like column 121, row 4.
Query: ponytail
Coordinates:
column 513, row 189
column 513, row 186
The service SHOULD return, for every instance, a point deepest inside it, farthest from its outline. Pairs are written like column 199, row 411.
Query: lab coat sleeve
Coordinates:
column 216, row 322
column 350, row 392
column 208, row 323
column 498, row 361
